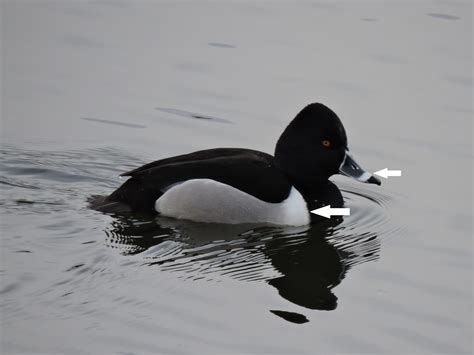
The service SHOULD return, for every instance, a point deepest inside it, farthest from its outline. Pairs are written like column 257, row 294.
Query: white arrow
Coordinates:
column 385, row 173
column 327, row 211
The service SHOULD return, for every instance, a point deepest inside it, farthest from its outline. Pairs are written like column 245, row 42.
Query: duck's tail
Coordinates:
column 103, row 204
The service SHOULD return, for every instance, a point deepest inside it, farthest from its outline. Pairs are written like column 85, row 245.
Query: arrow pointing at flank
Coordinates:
column 385, row 173
column 327, row 211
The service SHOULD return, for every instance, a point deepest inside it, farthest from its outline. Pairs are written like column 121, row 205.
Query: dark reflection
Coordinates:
column 115, row 123
column 188, row 114
column 221, row 45
column 309, row 271
column 291, row 316
column 303, row 264
column 443, row 16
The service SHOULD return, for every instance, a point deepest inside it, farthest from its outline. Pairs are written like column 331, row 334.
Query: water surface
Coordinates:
column 91, row 90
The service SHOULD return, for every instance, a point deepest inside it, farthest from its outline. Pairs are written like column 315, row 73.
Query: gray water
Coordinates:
column 93, row 89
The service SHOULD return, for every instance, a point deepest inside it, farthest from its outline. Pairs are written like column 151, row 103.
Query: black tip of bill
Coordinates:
column 374, row 180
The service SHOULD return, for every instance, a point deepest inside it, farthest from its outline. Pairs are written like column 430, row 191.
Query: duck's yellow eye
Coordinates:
column 326, row 143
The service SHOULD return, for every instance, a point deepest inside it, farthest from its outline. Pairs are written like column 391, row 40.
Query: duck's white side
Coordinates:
column 205, row 200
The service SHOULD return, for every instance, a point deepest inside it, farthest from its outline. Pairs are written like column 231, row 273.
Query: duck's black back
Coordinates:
column 248, row 170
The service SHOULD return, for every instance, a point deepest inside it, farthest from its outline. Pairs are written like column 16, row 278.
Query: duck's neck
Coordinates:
column 304, row 175
column 311, row 189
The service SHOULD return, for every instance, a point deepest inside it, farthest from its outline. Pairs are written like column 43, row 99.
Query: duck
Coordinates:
column 239, row 185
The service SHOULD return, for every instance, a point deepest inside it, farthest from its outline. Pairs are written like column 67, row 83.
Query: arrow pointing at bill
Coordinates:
column 385, row 173
column 327, row 211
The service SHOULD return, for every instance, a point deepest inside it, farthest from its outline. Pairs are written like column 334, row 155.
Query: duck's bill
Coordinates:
column 349, row 167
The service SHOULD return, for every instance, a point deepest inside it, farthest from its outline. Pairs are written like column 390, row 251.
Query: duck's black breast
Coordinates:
column 248, row 170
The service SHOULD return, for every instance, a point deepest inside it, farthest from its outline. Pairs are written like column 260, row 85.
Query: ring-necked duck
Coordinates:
column 235, row 185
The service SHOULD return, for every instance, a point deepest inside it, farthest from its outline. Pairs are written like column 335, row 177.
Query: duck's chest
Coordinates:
column 205, row 200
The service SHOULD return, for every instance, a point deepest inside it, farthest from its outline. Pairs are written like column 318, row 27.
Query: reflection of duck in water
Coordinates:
column 304, row 261
column 234, row 185
column 310, row 270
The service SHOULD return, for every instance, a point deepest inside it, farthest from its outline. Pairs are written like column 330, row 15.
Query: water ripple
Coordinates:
column 303, row 263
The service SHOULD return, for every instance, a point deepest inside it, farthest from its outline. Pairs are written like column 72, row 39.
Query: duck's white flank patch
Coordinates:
column 205, row 200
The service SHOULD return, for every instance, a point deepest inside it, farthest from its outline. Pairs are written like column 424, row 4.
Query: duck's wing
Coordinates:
column 195, row 157
column 250, row 171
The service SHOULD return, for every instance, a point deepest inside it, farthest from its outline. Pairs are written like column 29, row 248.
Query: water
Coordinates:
column 91, row 90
